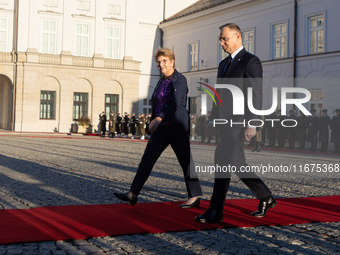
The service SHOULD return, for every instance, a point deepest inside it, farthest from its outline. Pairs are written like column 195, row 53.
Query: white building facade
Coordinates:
column 63, row 59
column 268, row 32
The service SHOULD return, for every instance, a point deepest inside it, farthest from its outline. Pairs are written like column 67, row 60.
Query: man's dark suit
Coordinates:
column 244, row 71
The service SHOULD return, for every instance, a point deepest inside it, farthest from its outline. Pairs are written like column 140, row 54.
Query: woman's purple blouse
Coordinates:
column 162, row 95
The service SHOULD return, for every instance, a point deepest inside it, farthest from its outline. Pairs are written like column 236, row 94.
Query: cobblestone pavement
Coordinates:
column 49, row 170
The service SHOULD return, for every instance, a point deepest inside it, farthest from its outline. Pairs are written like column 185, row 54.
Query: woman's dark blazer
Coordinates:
column 174, row 110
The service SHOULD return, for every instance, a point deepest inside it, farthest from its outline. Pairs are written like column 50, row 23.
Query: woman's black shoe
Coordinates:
column 124, row 197
column 194, row 204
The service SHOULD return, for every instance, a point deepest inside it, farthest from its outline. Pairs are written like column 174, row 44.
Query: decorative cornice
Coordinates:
column 82, row 16
column 114, row 19
column 50, row 13
column 6, row 10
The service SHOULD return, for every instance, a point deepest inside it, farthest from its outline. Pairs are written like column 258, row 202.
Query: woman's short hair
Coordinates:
column 165, row 52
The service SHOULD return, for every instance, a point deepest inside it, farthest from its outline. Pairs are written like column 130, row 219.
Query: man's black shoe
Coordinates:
column 211, row 215
column 264, row 207
column 124, row 197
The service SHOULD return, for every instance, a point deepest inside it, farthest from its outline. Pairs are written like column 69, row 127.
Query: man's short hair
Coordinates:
column 232, row 26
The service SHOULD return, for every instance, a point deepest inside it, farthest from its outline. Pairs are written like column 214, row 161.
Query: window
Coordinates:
column 147, row 106
column 280, row 40
column 3, row 34
column 82, row 40
column 49, row 36
column 112, row 42
column 248, row 40
column 193, row 56
column 316, row 34
column 80, row 101
column 111, row 104
column 47, row 105
column 316, row 101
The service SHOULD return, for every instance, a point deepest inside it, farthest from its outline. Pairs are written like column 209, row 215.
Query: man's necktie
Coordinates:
column 227, row 65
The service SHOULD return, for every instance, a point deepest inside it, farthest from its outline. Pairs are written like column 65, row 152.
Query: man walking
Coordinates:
column 243, row 70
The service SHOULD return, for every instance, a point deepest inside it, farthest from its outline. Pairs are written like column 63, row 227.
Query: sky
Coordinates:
column 174, row 6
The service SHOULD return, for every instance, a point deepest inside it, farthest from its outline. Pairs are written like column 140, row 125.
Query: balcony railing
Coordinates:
column 6, row 57
column 32, row 56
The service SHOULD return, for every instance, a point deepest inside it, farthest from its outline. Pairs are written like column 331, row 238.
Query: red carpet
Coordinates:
column 81, row 222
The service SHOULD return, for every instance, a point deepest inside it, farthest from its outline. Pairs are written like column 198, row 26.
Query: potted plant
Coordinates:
column 84, row 125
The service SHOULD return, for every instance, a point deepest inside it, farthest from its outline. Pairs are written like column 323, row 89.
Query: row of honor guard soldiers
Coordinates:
column 202, row 128
column 312, row 129
column 119, row 125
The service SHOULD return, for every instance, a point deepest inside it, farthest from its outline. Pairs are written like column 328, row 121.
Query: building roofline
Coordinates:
column 202, row 12
column 206, row 4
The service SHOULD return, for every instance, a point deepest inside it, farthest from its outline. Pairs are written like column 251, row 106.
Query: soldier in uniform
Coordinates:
column 147, row 123
column 313, row 127
column 335, row 127
column 325, row 121
column 301, row 130
column 112, row 125
column 210, row 127
column 102, row 124
column 142, row 126
column 137, row 124
column 133, row 124
column 203, row 125
column 291, row 130
column 193, row 125
column 119, row 125
column 280, row 130
column 126, row 122
column 258, row 137
column 271, row 130
column 198, row 126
